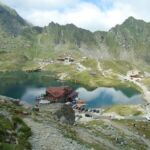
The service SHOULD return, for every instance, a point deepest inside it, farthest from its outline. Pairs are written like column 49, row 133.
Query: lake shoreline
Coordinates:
column 16, row 82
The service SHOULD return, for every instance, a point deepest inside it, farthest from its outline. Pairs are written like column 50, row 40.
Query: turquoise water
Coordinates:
column 27, row 86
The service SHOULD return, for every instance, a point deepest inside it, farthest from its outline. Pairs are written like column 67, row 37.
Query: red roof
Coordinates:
column 58, row 92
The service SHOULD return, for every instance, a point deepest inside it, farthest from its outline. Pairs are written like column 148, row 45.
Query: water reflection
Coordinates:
column 96, row 98
column 31, row 93
column 107, row 96
column 27, row 86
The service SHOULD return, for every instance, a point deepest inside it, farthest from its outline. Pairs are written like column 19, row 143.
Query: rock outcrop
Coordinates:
column 60, row 112
column 64, row 113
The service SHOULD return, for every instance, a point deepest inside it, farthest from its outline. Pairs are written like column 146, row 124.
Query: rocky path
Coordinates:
column 99, row 66
column 46, row 137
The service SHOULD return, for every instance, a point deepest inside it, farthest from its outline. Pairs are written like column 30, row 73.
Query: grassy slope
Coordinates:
column 141, row 127
column 88, row 79
column 105, row 130
column 14, row 127
column 124, row 110
column 146, row 82
column 22, row 40
column 18, row 50
column 55, row 40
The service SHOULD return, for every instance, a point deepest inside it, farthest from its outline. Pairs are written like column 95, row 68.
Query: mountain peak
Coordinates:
column 66, row 25
column 132, row 20
column 8, row 9
column 10, row 21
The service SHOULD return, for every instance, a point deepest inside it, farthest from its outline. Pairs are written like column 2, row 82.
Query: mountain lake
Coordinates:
column 27, row 86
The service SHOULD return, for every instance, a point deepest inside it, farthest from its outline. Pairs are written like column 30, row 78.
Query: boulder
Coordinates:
column 63, row 113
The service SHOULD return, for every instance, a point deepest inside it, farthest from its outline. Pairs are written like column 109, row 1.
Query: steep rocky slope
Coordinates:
column 130, row 39
column 10, row 21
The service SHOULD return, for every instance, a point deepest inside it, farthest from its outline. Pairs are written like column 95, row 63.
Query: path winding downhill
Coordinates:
column 46, row 137
column 99, row 66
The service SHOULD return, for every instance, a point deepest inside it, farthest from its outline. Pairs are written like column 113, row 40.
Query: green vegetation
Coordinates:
column 117, row 66
column 72, row 133
column 119, row 50
column 141, row 127
column 21, row 43
column 110, row 133
column 131, row 35
column 14, row 133
column 90, row 63
column 146, row 82
column 87, row 79
column 124, row 110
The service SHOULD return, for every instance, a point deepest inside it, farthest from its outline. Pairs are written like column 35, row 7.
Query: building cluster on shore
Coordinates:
column 67, row 96
column 63, row 94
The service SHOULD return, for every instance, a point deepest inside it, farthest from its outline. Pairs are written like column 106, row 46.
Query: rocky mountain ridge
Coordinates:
column 25, row 42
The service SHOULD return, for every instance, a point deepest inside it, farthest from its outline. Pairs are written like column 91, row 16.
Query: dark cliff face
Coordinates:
column 10, row 21
column 69, row 34
column 132, row 37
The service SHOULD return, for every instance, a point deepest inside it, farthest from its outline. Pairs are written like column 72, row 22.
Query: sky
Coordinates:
column 88, row 14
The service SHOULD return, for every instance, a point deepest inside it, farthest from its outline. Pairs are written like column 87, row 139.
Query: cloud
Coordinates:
column 84, row 15
column 88, row 14
column 40, row 4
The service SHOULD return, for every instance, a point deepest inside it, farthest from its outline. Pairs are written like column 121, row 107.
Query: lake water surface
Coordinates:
column 27, row 86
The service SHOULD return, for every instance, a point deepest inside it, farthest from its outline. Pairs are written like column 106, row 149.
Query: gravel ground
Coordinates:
column 46, row 137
